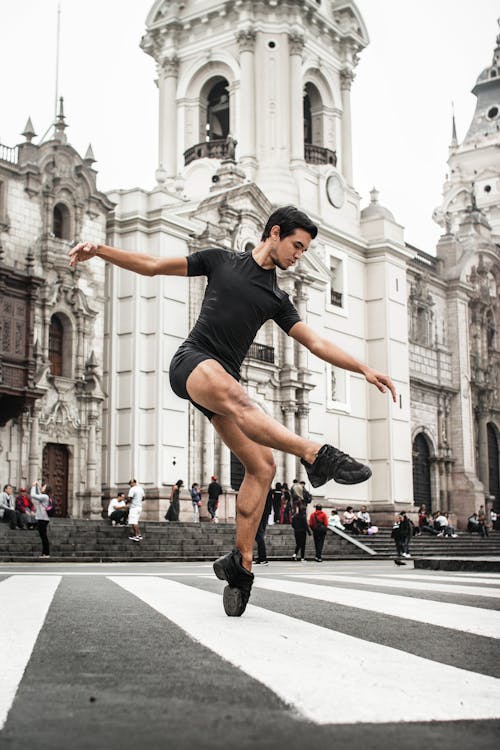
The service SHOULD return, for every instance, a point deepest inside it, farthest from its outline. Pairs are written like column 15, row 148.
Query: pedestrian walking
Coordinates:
column 277, row 492
column 402, row 532
column 41, row 497
column 242, row 294
column 214, row 492
column 260, row 536
column 196, row 501
column 318, row 522
column 174, row 508
column 301, row 530
column 136, row 496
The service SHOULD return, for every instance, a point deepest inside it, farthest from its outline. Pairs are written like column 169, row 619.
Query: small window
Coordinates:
column 56, row 344
column 337, row 389
column 336, row 283
column 492, row 113
column 61, row 221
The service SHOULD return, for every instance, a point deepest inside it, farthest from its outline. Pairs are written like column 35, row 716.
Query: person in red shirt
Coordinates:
column 25, row 509
column 319, row 524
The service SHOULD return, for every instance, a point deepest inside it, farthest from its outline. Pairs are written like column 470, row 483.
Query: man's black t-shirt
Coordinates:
column 240, row 297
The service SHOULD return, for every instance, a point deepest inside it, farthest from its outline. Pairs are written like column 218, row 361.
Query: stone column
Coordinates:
column 482, row 435
column 34, row 454
column 303, row 430
column 167, row 147
column 346, row 79
column 91, row 452
column 247, row 120
column 300, row 300
column 296, row 46
column 225, row 466
column 290, row 460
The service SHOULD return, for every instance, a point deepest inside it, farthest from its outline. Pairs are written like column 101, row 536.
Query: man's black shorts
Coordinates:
column 185, row 359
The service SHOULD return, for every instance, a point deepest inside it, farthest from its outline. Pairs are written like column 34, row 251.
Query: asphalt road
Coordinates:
column 343, row 655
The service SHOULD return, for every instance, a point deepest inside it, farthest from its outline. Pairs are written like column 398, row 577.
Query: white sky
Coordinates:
column 423, row 55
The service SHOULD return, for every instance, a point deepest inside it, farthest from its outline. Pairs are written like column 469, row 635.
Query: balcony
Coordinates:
column 216, row 149
column 319, row 155
column 9, row 153
column 17, row 358
column 262, row 353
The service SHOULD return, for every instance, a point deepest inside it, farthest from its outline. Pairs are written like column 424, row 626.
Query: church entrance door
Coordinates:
column 55, row 472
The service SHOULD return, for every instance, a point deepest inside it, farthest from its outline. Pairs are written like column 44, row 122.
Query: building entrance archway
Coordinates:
column 422, row 472
column 55, row 463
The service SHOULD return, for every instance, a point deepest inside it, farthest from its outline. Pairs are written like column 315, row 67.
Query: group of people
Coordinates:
column 353, row 522
column 285, row 500
column 29, row 511
column 214, row 491
column 436, row 524
column 477, row 522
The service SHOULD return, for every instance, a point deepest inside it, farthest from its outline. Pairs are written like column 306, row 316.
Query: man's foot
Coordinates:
column 330, row 463
column 294, row 557
column 236, row 595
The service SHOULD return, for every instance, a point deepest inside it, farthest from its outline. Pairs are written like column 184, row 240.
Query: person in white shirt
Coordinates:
column 334, row 520
column 117, row 510
column 444, row 528
column 364, row 520
column 136, row 496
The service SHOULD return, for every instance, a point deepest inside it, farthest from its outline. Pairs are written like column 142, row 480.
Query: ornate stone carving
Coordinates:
column 170, row 66
column 295, row 43
column 246, row 40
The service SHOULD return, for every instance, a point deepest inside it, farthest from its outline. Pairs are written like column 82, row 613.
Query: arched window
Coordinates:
column 61, row 222
column 56, row 346
column 217, row 108
column 313, row 116
column 421, row 472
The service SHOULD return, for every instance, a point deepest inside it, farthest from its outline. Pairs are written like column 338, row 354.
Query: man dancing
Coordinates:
column 242, row 293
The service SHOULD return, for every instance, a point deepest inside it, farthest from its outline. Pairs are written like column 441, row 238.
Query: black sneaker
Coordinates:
column 236, row 595
column 330, row 463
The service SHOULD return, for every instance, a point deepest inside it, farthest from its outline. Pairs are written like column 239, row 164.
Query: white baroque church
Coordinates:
column 254, row 112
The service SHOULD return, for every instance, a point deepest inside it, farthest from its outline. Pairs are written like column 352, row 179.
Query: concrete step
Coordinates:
column 78, row 540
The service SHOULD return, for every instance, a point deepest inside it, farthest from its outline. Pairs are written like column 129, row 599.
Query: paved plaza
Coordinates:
column 343, row 655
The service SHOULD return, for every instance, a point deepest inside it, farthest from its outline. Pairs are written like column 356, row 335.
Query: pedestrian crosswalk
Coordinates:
column 296, row 625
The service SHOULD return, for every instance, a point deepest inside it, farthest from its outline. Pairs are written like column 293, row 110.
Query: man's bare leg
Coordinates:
column 259, row 472
column 212, row 387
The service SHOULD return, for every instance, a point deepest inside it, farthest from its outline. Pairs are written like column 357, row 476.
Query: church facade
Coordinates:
column 254, row 112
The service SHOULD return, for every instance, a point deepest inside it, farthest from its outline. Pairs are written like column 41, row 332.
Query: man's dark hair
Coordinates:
column 7, row 485
column 120, row 494
column 289, row 218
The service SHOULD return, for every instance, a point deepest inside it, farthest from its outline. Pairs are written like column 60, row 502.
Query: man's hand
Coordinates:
column 81, row 252
column 382, row 382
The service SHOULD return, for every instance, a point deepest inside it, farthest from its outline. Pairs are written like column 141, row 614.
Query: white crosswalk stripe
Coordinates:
column 271, row 647
column 467, row 619
column 19, row 628
column 413, row 585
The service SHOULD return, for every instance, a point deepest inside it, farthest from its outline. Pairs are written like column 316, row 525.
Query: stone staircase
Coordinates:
column 74, row 540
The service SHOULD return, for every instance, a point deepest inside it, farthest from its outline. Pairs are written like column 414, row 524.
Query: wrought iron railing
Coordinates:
column 319, row 155
column 9, row 153
column 262, row 353
column 217, row 149
column 336, row 298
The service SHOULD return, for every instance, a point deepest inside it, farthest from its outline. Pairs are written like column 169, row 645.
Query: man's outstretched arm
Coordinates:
column 147, row 265
column 328, row 352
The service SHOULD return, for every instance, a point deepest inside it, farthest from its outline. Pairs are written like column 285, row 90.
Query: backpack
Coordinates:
column 307, row 496
column 51, row 507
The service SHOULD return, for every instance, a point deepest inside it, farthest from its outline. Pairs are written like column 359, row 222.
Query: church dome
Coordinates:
column 375, row 210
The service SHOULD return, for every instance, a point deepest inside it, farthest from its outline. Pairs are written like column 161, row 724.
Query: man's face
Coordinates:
column 8, row 489
column 287, row 251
